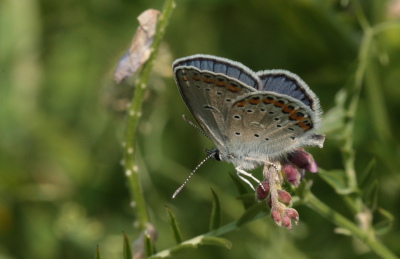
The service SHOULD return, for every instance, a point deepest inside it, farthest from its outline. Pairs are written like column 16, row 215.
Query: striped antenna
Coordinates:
column 190, row 176
column 194, row 125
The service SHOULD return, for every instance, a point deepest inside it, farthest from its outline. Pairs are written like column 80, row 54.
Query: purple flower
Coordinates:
column 304, row 160
column 292, row 174
column 296, row 164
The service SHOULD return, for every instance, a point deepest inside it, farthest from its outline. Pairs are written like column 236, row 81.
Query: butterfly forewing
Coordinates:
column 209, row 97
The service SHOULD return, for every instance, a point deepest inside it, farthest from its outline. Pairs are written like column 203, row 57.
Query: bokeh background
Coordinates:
column 62, row 188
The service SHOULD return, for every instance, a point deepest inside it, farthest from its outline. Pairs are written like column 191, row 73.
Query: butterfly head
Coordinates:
column 214, row 153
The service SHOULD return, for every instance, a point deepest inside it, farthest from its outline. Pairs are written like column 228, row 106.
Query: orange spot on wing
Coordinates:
column 220, row 83
column 241, row 103
column 196, row 78
column 254, row 100
column 233, row 88
column 208, row 80
column 304, row 126
column 268, row 101
column 295, row 117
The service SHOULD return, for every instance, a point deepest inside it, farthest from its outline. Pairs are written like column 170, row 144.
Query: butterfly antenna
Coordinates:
column 190, row 176
column 194, row 125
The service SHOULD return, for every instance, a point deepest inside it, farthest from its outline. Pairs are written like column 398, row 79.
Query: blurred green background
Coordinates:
column 62, row 189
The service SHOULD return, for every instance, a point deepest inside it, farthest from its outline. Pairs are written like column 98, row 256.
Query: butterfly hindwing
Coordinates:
column 267, row 125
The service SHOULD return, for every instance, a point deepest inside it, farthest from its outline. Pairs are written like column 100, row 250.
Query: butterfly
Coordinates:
column 253, row 118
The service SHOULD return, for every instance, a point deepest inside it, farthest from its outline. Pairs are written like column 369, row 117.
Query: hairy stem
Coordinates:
column 133, row 115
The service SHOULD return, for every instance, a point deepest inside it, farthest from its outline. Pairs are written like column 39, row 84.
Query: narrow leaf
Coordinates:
column 215, row 221
column 194, row 243
column 149, row 246
column 334, row 119
column 174, row 226
column 384, row 225
column 216, row 241
column 371, row 193
column 250, row 213
column 337, row 179
column 368, row 174
column 127, row 248
column 241, row 189
column 98, row 253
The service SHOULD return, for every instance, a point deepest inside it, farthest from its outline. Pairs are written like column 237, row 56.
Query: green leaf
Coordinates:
column 98, row 254
column 193, row 244
column 371, row 193
column 242, row 189
column 337, row 179
column 127, row 249
column 384, row 225
column 334, row 119
column 370, row 186
column 368, row 174
column 174, row 226
column 216, row 241
column 250, row 213
column 215, row 220
column 149, row 246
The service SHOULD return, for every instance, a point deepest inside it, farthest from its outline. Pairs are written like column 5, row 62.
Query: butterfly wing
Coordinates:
column 209, row 86
column 251, row 117
column 287, row 83
column 268, row 124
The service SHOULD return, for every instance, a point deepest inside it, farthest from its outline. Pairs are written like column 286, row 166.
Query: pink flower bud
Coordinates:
column 292, row 214
column 286, row 222
column 284, row 197
column 303, row 160
column 292, row 174
column 276, row 216
column 262, row 190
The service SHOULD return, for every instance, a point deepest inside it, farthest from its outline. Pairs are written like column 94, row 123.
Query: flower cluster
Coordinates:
column 270, row 189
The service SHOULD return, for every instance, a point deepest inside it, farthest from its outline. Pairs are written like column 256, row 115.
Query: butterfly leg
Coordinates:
column 240, row 172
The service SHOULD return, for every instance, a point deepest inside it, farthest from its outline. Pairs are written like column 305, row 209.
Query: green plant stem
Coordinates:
column 337, row 219
column 196, row 240
column 348, row 152
column 133, row 116
column 315, row 204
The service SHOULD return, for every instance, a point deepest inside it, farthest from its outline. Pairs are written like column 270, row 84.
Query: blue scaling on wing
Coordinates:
column 222, row 66
column 285, row 82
